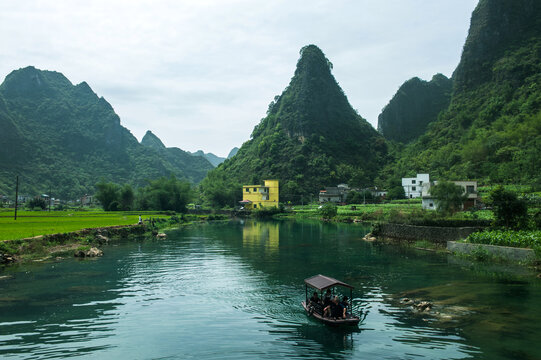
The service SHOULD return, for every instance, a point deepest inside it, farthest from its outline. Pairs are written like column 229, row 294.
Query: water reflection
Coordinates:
column 234, row 291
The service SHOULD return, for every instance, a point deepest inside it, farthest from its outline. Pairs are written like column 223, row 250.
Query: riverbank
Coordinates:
column 85, row 241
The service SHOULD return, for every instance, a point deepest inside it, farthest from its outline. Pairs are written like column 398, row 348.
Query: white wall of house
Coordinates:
column 413, row 186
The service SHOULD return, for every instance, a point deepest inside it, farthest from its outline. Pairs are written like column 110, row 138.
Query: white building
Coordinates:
column 468, row 187
column 413, row 186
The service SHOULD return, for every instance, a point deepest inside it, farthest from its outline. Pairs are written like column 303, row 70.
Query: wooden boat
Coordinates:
column 322, row 283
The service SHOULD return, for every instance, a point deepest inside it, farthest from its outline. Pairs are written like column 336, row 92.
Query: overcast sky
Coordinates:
column 201, row 73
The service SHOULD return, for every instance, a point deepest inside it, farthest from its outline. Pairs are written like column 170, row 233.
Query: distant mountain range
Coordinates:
column 483, row 123
column 65, row 138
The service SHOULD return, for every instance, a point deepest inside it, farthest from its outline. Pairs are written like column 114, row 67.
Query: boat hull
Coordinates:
column 349, row 321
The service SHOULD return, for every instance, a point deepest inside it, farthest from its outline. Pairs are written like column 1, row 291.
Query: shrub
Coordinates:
column 328, row 210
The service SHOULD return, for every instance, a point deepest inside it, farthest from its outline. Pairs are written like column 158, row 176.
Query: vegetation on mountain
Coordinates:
column 416, row 104
column 233, row 152
column 491, row 130
column 310, row 138
column 63, row 137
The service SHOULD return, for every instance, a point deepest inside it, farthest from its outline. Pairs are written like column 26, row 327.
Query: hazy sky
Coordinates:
column 201, row 73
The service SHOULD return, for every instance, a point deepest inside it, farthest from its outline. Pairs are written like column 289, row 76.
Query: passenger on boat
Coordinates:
column 315, row 304
column 334, row 309
column 327, row 298
column 315, row 299
column 344, row 303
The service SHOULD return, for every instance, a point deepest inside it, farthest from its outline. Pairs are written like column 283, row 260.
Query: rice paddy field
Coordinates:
column 34, row 223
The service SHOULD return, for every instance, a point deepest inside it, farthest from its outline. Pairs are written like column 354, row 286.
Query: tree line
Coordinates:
column 162, row 194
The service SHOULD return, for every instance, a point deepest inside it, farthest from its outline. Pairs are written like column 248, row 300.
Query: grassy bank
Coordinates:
column 42, row 235
column 35, row 223
column 403, row 211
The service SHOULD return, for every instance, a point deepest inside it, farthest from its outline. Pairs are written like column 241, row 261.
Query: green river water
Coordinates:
column 233, row 291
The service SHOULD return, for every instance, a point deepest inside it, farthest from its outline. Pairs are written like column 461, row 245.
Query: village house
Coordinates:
column 336, row 194
column 413, row 186
column 260, row 196
column 469, row 188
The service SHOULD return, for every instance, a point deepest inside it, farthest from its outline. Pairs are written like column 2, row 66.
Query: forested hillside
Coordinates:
column 310, row 138
column 416, row 104
column 491, row 130
column 65, row 138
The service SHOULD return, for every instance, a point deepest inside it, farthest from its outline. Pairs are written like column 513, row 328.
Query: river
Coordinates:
column 233, row 291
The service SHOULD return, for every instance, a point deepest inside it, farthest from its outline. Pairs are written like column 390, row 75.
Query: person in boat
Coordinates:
column 344, row 304
column 327, row 298
column 315, row 299
column 315, row 303
column 337, row 311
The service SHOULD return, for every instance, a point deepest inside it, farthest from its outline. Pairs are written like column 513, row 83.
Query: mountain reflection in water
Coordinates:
column 233, row 290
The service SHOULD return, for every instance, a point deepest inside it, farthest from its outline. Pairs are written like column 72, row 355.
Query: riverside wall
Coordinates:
column 429, row 233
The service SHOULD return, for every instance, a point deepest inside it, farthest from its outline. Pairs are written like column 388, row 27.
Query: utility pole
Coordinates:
column 49, row 198
column 16, row 195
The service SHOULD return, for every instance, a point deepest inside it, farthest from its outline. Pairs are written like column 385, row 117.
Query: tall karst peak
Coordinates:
column 152, row 141
column 313, row 103
column 497, row 26
column 310, row 138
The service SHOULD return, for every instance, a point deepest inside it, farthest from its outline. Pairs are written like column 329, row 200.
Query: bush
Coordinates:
column 523, row 238
column 266, row 212
column 328, row 210
column 509, row 211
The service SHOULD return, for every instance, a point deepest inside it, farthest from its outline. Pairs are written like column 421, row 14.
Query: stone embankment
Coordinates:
column 503, row 252
column 411, row 233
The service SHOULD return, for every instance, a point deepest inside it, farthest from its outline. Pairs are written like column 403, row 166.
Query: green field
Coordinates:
column 383, row 211
column 34, row 223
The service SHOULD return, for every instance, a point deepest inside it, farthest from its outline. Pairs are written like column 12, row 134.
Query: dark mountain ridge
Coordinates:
column 491, row 131
column 416, row 104
column 64, row 137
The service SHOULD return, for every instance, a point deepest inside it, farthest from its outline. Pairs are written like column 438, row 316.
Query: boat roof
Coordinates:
column 322, row 282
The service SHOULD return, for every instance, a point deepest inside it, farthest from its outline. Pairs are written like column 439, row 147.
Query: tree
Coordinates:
column 37, row 202
column 396, row 192
column 126, row 197
column 328, row 210
column 509, row 211
column 165, row 194
column 108, row 194
column 449, row 197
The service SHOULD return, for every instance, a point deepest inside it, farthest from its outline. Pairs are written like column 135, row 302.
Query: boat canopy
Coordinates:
column 322, row 282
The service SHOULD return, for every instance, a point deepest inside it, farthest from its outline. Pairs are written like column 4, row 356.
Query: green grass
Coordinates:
column 522, row 238
column 34, row 223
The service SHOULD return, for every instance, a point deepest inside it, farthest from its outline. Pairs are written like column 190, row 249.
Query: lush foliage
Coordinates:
column 165, row 194
column 509, row 211
column 328, row 210
column 310, row 138
column 161, row 194
column 219, row 191
column 416, row 104
column 491, row 130
column 449, row 197
column 64, row 137
column 523, row 238
column 37, row 202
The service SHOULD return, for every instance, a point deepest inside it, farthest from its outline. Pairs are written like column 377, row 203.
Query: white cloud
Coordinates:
column 200, row 74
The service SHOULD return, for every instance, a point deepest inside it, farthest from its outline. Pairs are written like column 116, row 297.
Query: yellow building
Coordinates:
column 260, row 196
